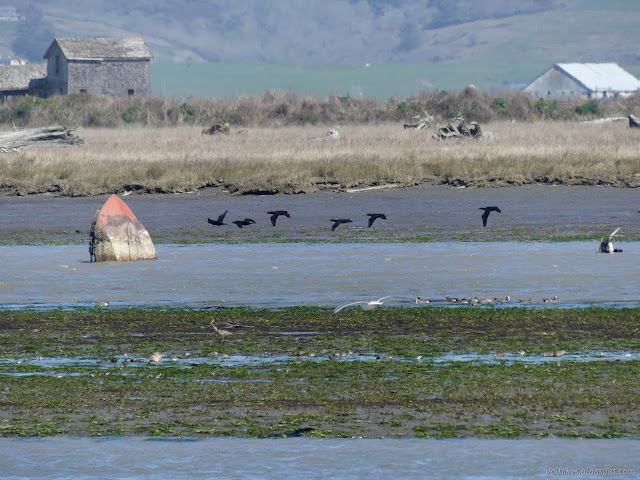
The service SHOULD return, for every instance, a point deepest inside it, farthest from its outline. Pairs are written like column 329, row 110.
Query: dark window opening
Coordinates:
column 130, row 92
column 83, row 90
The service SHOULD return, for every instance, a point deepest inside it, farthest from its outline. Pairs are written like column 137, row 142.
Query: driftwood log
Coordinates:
column 424, row 120
column 458, row 128
column 333, row 133
column 56, row 136
column 634, row 122
column 217, row 128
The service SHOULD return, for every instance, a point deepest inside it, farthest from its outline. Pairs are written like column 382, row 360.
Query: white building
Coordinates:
column 586, row 80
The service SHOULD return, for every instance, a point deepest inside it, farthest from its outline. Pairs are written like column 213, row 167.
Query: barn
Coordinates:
column 22, row 80
column 584, row 80
column 113, row 67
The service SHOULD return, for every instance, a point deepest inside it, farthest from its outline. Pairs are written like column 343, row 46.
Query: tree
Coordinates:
column 33, row 35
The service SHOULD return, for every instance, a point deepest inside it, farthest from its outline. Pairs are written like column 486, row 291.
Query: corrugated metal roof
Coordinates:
column 18, row 77
column 601, row 76
column 102, row 48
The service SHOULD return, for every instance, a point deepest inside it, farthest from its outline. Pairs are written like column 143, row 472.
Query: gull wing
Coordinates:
column 613, row 233
column 337, row 309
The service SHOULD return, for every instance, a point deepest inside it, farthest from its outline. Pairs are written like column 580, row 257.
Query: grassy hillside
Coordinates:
column 216, row 49
column 491, row 32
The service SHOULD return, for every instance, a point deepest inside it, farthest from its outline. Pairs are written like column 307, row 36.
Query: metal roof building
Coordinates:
column 587, row 80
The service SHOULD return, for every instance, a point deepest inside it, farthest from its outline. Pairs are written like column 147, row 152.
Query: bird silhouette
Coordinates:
column 487, row 211
column 276, row 213
column 374, row 216
column 338, row 221
column 244, row 223
column 219, row 220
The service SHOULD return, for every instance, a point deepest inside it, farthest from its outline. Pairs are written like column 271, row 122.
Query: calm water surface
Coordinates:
column 302, row 458
column 276, row 275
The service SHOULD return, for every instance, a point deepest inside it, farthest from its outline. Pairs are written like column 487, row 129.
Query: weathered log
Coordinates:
column 424, row 120
column 457, row 128
column 55, row 136
column 217, row 128
column 634, row 122
column 606, row 120
column 333, row 133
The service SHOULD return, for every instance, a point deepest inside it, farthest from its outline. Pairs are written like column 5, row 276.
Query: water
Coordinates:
column 282, row 459
column 278, row 275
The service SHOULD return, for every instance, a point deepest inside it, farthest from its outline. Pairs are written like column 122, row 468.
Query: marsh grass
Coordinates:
column 284, row 160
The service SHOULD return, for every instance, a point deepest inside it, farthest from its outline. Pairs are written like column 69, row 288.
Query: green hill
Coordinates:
column 213, row 47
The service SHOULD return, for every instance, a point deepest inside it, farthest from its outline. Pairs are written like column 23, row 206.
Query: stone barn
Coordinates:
column 584, row 80
column 114, row 67
column 22, row 80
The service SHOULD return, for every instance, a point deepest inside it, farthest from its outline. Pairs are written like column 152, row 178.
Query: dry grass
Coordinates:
column 285, row 160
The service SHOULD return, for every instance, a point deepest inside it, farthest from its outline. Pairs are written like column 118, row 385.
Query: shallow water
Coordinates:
column 52, row 366
column 138, row 459
column 277, row 275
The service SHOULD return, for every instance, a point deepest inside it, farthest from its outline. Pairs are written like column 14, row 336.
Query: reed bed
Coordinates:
column 285, row 160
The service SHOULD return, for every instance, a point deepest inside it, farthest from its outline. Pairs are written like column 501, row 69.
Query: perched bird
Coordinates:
column 156, row 357
column 487, row 211
column 101, row 304
column 374, row 216
column 220, row 331
column 502, row 300
column 553, row 299
column 606, row 246
column 338, row 221
column 219, row 220
column 276, row 213
column 244, row 223
column 366, row 305
column 421, row 300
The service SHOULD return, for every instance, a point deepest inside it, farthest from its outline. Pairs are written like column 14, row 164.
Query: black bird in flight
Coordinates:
column 374, row 216
column 244, row 223
column 487, row 211
column 219, row 220
column 338, row 221
column 276, row 213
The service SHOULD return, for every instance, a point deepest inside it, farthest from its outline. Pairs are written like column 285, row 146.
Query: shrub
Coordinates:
column 500, row 105
column 188, row 114
column 130, row 115
column 591, row 107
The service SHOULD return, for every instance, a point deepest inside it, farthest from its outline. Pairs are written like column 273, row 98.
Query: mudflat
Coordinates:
column 420, row 213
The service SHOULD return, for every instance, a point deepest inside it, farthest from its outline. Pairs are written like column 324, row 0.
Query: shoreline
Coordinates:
column 414, row 214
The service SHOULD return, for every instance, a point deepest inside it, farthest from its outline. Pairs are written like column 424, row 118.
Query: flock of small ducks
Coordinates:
column 507, row 299
column 336, row 222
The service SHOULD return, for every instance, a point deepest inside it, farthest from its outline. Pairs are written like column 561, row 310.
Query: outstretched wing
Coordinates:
column 337, row 309
column 221, row 217
column 274, row 217
column 485, row 215
column 613, row 233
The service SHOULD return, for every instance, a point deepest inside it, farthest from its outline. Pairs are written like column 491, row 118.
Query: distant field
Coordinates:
column 376, row 81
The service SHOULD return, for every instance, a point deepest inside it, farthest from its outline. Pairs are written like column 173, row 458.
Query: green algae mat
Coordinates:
column 393, row 372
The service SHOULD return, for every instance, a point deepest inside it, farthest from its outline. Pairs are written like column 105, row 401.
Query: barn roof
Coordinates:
column 102, row 48
column 21, row 77
column 601, row 76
